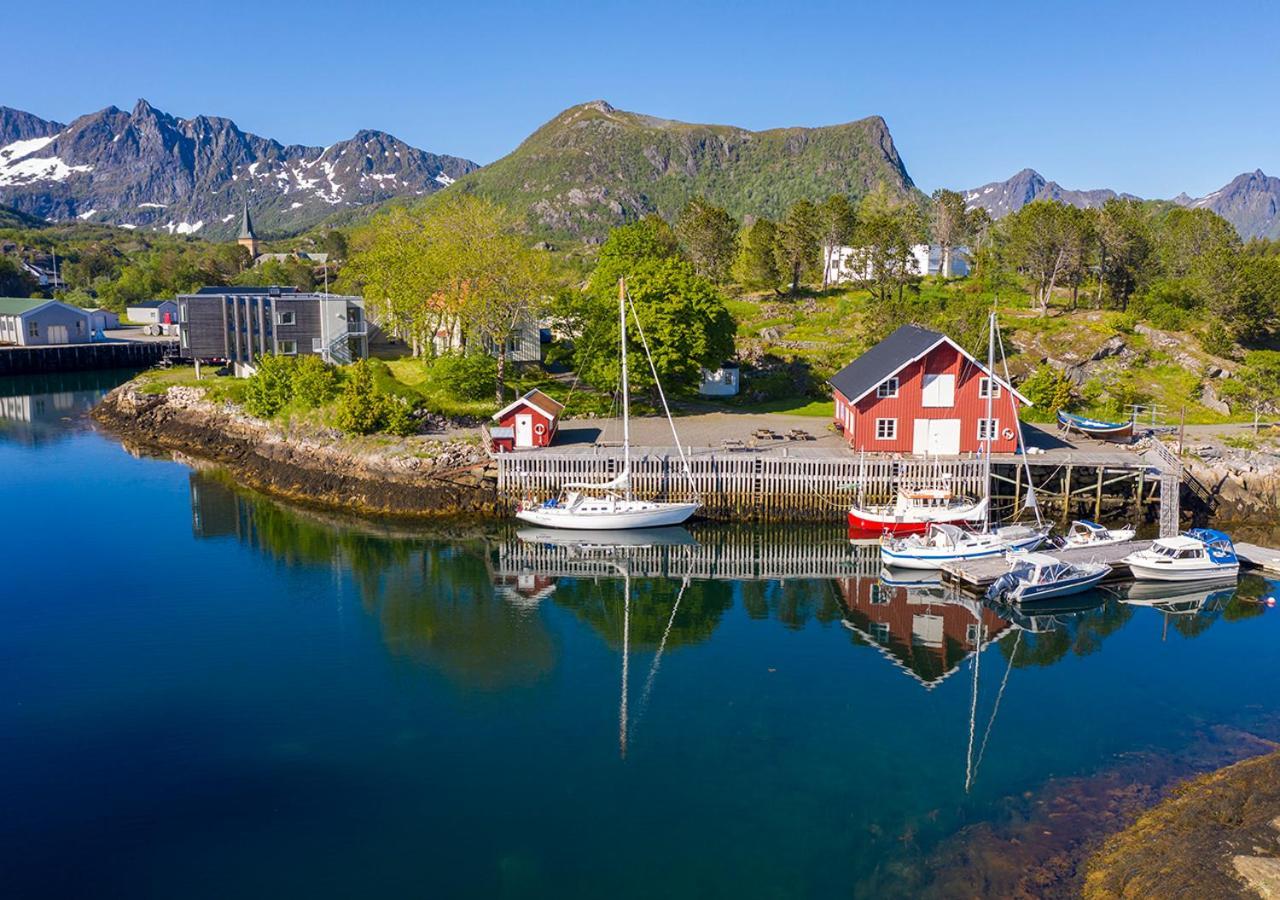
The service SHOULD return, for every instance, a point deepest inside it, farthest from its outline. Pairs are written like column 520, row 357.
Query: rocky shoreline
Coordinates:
column 408, row 478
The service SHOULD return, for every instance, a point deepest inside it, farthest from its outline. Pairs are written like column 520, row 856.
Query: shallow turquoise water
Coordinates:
column 208, row 695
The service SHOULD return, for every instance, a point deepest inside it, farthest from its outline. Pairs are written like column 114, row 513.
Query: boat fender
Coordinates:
column 1007, row 434
column 1271, row 601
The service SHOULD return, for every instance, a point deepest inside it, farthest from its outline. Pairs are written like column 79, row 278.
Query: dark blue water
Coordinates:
column 208, row 695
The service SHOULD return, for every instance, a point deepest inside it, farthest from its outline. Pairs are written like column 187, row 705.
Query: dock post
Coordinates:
column 1097, row 499
column 1066, row 494
column 1170, row 512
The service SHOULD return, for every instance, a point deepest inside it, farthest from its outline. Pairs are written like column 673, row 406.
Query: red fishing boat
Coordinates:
column 915, row 510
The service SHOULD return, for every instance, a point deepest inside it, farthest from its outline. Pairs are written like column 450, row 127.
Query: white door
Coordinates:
column 927, row 630
column 938, row 391
column 58, row 334
column 524, row 430
column 936, row 437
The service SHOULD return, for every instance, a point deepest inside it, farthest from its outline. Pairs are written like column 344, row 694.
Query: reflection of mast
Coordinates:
column 971, row 763
column 657, row 657
column 626, row 648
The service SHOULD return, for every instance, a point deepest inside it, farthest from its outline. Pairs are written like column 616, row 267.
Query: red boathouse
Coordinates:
column 919, row 392
column 526, row 423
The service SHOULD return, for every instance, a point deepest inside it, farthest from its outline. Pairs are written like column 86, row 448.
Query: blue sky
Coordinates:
column 1151, row 98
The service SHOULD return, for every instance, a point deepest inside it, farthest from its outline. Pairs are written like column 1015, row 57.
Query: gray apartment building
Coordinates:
column 239, row 324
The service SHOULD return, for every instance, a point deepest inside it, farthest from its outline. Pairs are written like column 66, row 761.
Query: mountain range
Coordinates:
column 594, row 166
column 1250, row 202
column 148, row 169
column 589, row 168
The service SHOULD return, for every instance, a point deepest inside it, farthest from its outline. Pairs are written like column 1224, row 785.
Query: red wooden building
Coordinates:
column 919, row 392
column 528, row 422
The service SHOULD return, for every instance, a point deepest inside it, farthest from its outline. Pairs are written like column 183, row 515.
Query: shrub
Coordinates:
column 470, row 376
column 315, row 382
column 1216, row 339
column 270, row 388
column 1167, row 304
column 1048, row 389
column 363, row 408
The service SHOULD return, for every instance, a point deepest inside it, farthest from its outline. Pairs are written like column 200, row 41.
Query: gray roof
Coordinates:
column 883, row 360
column 246, row 225
column 255, row 290
column 148, row 304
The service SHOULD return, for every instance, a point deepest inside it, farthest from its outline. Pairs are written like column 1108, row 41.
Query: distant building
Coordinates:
column 524, row 344
column 31, row 323
column 103, row 320
column 248, row 238
column 919, row 392
column 152, row 312
column 721, row 382
column 237, row 325
column 45, row 271
column 848, row 263
column 528, row 422
column 319, row 259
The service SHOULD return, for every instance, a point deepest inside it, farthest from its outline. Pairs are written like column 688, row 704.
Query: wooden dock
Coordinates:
column 1254, row 557
column 976, row 574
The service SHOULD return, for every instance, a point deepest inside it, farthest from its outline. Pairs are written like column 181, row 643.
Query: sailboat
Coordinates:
column 611, row 505
column 945, row 543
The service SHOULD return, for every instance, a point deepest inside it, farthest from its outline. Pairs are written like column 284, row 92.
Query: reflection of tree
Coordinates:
column 1244, row 603
column 599, row 604
column 793, row 603
column 1079, row 633
column 434, row 599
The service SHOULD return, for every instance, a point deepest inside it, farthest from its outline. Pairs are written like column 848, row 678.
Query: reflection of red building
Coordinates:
column 524, row 590
column 922, row 630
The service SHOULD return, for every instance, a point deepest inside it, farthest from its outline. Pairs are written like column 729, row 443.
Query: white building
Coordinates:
column 849, row 263
column 34, row 323
column 152, row 312
column 103, row 320
column 721, row 382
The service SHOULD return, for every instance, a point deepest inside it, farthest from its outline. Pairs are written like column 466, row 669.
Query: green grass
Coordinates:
column 794, row 406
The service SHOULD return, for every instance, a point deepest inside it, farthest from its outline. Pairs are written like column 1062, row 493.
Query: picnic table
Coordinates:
column 766, row 434
column 799, row 434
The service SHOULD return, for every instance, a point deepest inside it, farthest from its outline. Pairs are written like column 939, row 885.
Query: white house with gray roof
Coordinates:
column 28, row 322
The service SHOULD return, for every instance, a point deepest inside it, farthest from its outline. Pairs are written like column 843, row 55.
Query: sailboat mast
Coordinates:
column 626, row 390
column 991, row 372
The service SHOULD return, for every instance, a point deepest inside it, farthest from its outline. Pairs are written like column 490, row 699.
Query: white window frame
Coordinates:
column 988, row 387
column 988, row 430
column 884, row 390
column 286, row 317
column 284, row 352
column 892, row 429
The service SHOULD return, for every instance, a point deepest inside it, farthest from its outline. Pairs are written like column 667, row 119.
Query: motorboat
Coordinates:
column 1200, row 554
column 1039, row 576
column 915, row 510
column 612, row 505
column 942, row 544
column 1096, row 428
column 1084, row 533
column 669, row 536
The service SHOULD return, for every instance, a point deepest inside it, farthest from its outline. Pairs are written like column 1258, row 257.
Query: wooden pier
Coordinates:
column 1254, row 557
column 975, row 574
column 791, row 482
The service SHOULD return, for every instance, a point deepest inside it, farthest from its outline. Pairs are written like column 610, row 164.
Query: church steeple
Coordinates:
column 248, row 239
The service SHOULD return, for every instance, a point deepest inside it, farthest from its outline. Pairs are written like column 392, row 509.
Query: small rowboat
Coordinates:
column 1096, row 428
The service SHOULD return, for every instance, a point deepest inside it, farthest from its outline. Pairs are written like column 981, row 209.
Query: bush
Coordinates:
column 471, row 376
column 270, row 389
column 1048, row 389
column 365, row 409
column 1167, row 304
column 315, row 382
column 1217, row 340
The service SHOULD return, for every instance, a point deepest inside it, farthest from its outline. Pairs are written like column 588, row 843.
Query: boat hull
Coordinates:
column 867, row 520
column 651, row 515
column 1030, row 593
column 922, row 559
column 1154, row 572
column 1105, row 431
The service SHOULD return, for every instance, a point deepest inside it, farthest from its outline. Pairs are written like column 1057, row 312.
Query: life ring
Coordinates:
column 539, row 429
column 1007, row 434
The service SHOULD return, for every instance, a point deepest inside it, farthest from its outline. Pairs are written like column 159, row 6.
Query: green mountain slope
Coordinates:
column 593, row 167
column 11, row 218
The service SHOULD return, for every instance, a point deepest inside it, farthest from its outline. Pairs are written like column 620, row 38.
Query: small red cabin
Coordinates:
column 919, row 392
column 526, row 423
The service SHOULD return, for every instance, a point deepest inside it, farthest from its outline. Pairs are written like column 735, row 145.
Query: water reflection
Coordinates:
column 39, row 409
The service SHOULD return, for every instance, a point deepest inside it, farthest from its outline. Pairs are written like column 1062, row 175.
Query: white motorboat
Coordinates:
column 611, row 506
column 1201, row 554
column 1084, row 533
column 1039, row 576
column 941, row 544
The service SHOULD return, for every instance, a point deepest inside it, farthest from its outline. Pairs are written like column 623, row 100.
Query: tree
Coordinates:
column 837, row 219
column 683, row 317
column 796, row 247
column 14, row 282
column 888, row 229
column 709, row 237
column 1122, row 238
column 756, row 265
column 335, row 244
column 1187, row 235
column 948, row 223
column 1045, row 240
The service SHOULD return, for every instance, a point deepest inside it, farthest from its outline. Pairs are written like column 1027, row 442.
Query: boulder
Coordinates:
column 1209, row 397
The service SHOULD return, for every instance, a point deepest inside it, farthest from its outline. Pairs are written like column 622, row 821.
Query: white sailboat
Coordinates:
column 945, row 543
column 611, row 505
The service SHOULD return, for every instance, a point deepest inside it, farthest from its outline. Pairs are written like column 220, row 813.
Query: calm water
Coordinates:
column 207, row 695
